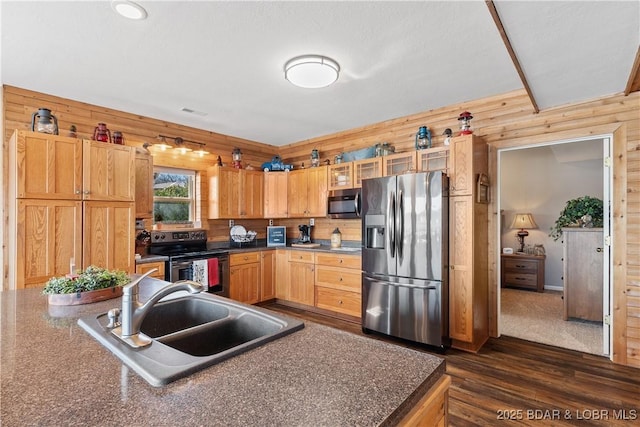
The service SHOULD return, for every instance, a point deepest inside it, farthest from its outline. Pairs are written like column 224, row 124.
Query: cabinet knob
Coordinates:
column 86, row 192
column 598, row 249
column 340, row 302
column 452, row 267
column 341, row 278
column 78, row 192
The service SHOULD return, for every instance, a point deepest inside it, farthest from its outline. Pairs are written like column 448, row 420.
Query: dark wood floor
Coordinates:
column 512, row 381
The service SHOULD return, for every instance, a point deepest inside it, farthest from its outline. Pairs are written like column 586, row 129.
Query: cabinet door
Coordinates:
column 340, row 176
column 317, row 192
column 282, row 273
column 224, row 192
column 397, row 164
column 143, row 268
column 49, row 235
column 275, row 194
column 268, row 275
column 583, row 274
column 297, row 193
column 434, row 159
column 144, row 185
column 364, row 169
column 461, row 264
column 301, row 283
column 461, row 173
column 48, row 166
column 245, row 283
column 252, row 194
column 108, row 172
column 109, row 230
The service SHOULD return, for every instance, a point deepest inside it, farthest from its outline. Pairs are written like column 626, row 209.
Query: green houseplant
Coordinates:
column 90, row 285
column 574, row 210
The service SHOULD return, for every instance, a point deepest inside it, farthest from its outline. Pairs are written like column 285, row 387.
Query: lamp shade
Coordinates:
column 523, row 221
column 311, row 71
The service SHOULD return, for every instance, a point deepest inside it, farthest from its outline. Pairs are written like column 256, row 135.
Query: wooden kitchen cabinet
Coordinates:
column 49, row 235
column 144, row 184
column 468, row 262
column 244, row 268
column 147, row 266
column 235, row 193
column 275, row 194
column 300, row 280
column 338, row 283
column 109, row 235
column 307, row 192
column 71, row 199
column 340, row 176
column 583, row 261
column 108, row 171
column 522, row 271
column 47, row 166
column 366, row 168
column 468, row 159
column 399, row 163
column 434, row 159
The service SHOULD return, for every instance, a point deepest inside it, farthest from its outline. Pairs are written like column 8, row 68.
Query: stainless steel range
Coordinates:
column 189, row 259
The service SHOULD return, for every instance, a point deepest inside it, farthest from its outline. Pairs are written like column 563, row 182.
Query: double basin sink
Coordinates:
column 190, row 333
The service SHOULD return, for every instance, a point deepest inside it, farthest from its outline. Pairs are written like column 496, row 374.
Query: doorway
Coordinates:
column 538, row 180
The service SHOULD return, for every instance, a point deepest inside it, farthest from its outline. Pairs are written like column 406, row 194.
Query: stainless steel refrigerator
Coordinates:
column 405, row 251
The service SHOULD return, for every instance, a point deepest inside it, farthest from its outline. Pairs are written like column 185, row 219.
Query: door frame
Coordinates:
column 618, row 311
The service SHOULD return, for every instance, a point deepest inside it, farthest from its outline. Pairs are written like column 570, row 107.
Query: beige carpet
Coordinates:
column 537, row 317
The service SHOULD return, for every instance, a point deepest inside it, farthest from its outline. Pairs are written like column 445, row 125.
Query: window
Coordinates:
column 173, row 195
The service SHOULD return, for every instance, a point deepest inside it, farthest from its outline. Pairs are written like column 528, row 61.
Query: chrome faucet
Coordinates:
column 134, row 312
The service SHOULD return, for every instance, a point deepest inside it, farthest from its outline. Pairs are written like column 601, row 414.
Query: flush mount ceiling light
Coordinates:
column 311, row 71
column 129, row 9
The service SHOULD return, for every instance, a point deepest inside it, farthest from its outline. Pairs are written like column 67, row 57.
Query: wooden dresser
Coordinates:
column 523, row 271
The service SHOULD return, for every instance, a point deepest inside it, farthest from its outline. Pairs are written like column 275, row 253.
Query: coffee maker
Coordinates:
column 305, row 234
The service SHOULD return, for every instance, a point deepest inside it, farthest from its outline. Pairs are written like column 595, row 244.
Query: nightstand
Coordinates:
column 523, row 271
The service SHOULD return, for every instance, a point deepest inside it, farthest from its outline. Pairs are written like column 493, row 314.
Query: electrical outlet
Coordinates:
column 231, row 223
column 270, row 222
column 312, row 222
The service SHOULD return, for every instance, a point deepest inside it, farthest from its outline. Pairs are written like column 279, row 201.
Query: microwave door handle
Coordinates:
column 356, row 202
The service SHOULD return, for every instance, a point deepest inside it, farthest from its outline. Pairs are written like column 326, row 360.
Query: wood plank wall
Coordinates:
column 508, row 120
column 504, row 120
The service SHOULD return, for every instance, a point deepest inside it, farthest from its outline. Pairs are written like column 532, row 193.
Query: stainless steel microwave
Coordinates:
column 344, row 204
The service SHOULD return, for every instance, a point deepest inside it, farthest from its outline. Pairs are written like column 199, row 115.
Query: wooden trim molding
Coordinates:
column 633, row 84
column 514, row 58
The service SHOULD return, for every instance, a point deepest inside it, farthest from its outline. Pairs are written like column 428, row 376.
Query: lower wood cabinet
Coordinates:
column 301, row 277
column 338, row 283
column 147, row 266
column 244, row 285
column 267, row 275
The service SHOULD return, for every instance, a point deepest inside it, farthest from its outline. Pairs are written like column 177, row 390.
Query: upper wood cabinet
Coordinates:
column 434, row 159
column 144, row 184
column 48, row 166
column 468, row 159
column 275, row 194
column 235, row 193
column 307, row 192
column 340, row 176
column 366, row 168
column 108, row 171
column 399, row 163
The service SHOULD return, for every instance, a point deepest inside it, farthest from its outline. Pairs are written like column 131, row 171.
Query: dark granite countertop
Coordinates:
column 54, row 373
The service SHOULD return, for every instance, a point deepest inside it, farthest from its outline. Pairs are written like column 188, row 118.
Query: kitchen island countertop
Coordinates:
column 54, row 373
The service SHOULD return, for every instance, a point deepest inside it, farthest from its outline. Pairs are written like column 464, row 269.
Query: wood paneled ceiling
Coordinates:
column 225, row 59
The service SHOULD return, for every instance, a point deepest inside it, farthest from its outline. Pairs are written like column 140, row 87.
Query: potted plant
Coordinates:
column 91, row 285
column 573, row 213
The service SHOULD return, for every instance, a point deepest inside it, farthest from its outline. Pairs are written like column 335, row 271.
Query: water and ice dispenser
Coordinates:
column 374, row 231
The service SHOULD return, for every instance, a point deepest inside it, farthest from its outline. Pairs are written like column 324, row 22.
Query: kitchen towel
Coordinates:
column 214, row 277
column 200, row 272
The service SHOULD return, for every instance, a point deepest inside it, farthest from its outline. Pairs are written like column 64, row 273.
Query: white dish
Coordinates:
column 238, row 230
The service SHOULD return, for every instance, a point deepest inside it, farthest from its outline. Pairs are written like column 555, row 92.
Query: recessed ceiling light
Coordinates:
column 129, row 9
column 311, row 71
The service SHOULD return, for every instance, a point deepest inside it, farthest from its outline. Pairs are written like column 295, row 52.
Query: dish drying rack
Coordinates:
column 243, row 240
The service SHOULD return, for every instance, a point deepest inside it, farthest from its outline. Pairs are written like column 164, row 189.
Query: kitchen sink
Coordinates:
column 190, row 333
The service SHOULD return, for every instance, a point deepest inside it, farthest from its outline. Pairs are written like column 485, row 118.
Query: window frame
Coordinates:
column 192, row 174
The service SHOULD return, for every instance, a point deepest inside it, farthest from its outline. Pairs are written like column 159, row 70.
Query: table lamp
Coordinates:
column 523, row 221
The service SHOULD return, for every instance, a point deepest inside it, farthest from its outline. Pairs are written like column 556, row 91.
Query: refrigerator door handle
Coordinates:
column 399, row 234
column 391, row 219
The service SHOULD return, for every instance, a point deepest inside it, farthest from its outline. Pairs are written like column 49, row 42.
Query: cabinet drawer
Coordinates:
column 338, row 278
column 347, row 261
column 244, row 258
column 301, row 256
column 521, row 279
column 520, row 265
column 339, row 301
column 143, row 268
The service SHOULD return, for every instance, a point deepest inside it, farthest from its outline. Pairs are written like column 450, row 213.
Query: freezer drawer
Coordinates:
column 415, row 310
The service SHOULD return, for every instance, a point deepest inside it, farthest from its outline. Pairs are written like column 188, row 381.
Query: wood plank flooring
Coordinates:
column 516, row 382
